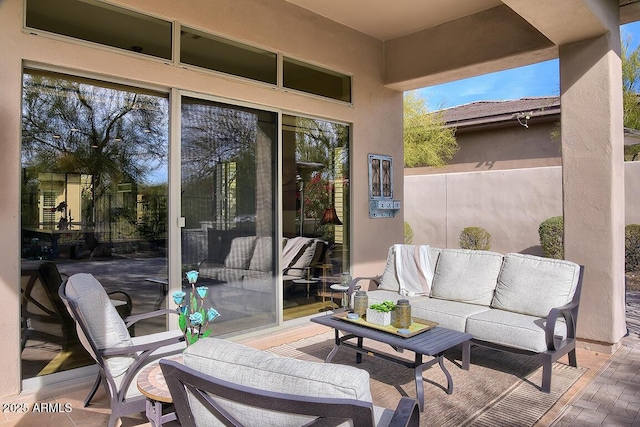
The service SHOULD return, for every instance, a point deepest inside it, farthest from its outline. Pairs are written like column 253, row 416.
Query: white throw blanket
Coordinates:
column 413, row 269
column 292, row 248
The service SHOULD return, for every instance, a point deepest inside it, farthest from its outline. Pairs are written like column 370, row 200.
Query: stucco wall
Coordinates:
column 509, row 204
column 375, row 116
column 501, row 148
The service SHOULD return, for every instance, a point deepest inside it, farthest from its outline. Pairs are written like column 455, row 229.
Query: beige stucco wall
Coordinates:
column 501, row 148
column 511, row 206
column 376, row 113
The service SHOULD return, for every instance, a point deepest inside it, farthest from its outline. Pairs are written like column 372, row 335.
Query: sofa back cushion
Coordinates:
column 466, row 275
column 306, row 257
column 262, row 258
column 266, row 371
column 533, row 285
column 240, row 252
column 389, row 280
column 104, row 325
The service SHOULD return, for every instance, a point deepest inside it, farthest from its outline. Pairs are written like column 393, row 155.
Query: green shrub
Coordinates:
column 632, row 247
column 408, row 234
column 551, row 233
column 475, row 238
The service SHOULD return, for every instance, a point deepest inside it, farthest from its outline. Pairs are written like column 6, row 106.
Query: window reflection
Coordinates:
column 316, row 208
column 94, row 200
column 228, row 188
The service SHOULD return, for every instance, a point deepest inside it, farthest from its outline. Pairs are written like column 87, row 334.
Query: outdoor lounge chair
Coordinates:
column 226, row 383
column 105, row 336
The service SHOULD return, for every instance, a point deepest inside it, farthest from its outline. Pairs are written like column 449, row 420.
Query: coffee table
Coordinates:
column 153, row 386
column 433, row 343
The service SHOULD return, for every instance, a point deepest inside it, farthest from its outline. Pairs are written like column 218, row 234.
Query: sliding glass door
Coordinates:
column 228, row 189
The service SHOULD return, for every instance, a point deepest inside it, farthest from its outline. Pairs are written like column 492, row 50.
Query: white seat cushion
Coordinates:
column 512, row 329
column 466, row 276
column 266, row 371
column 533, row 285
column 104, row 324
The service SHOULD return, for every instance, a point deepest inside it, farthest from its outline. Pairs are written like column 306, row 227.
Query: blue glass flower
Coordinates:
column 212, row 313
column 196, row 319
column 202, row 291
column 178, row 297
column 192, row 276
column 183, row 309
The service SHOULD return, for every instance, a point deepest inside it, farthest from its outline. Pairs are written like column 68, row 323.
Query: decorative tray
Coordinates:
column 417, row 325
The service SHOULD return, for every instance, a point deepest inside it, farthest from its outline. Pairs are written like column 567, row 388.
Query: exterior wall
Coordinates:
column 375, row 116
column 510, row 205
column 501, row 148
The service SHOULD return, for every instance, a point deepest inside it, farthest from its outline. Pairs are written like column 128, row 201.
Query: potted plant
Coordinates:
column 381, row 314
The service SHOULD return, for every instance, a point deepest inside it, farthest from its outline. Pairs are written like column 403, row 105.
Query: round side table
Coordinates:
column 153, row 386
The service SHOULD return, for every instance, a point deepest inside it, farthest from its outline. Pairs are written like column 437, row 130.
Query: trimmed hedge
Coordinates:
column 476, row 238
column 632, row 247
column 551, row 233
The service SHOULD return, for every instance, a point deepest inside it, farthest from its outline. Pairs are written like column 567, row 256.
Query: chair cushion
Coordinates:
column 104, row 325
column 512, row 329
column 305, row 258
column 240, row 252
column 533, row 285
column 266, row 371
column 389, row 280
column 466, row 276
column 262, row 258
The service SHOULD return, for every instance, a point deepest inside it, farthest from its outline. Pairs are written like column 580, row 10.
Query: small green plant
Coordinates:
column 408, row 234
column 383, row 307
column 476, row 238
column 632, row 247
column 551, row 233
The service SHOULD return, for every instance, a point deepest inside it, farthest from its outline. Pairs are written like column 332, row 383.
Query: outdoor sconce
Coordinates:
column 381, row 203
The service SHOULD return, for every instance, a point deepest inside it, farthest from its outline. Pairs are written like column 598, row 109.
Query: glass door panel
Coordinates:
column 228, row 180
column 315, row 214
column 94, row 200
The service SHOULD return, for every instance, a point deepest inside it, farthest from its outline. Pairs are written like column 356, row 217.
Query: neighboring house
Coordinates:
column 495, row 135
column 510, row 134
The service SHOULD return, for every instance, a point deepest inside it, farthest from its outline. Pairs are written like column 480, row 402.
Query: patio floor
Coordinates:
column 607, row 394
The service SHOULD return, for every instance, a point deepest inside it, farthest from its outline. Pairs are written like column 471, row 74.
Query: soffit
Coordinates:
column 388, row 19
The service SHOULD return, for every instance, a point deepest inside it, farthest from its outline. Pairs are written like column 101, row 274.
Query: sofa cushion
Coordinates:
column 512, row 329
column 533, row 285
column 389, row 280
column 107, row 329
column 266, row 371
column 448, row 314
column 240, row 253
column 305, row 258
column 466, row 276
column 262, row 258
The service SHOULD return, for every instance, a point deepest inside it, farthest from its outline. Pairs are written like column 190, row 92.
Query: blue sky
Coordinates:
column 540, row 79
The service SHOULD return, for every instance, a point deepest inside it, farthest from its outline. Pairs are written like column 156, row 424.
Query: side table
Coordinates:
column 153, row 386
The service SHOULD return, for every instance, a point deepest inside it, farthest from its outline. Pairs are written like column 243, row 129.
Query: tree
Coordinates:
column 630, row 88
column 427, row 142
column 76, row 127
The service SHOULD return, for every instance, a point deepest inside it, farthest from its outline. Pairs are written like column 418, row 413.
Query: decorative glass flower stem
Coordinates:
column 193, row 320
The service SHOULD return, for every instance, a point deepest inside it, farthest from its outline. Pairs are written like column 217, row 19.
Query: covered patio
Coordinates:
column 604, row 393
column 383, row 49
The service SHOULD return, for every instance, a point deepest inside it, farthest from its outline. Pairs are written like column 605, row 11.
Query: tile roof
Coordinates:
column 495, row 111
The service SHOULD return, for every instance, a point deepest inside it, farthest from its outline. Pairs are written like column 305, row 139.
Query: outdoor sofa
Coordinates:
column 222, row 380
column 514, row 302
column 249, row 263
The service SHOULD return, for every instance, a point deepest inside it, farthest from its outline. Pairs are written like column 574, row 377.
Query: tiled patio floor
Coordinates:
column 607, row 395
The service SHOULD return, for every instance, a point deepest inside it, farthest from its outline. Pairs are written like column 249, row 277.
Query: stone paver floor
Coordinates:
column 613, row 396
